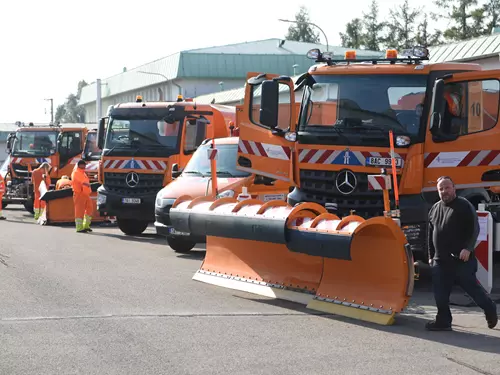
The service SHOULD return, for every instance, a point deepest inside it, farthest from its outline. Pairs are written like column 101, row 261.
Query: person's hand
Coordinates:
column 464, row 255
column 430, row 262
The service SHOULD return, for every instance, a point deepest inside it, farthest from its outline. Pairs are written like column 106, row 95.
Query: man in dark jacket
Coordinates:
column 453, row 231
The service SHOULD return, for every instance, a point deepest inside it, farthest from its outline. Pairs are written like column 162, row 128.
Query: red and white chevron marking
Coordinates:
column 461, row 159
column 379, row 182
column 484, row 251
column 264, row 149
column 16, row 160
column 314, row 156
column 92, row 166
column 212, row 153
column 158, row 165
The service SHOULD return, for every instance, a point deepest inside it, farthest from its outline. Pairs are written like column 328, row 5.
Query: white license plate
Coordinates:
column 171, row 230
column 383, row 162
column 131, row 200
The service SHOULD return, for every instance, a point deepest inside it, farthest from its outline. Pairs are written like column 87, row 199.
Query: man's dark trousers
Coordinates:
column 445, row 274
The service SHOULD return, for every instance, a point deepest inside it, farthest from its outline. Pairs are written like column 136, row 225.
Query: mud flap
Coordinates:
column 351, row 266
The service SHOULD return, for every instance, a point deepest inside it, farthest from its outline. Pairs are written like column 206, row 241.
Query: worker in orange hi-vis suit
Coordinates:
column 42, row 173
column 63, row 183
column 81, row 198
column 2, row 191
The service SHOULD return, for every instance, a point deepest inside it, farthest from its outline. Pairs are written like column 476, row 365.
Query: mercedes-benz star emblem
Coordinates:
column 346, row 182
column 132, row 179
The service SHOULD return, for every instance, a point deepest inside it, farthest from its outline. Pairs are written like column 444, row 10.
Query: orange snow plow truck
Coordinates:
column 59, row 145
column 340, row 244
column 145, row 146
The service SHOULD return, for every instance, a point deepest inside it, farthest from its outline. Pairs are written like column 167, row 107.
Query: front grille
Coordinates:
column 22, row 170
column 148, row 183
column 164, row 217
column 319, row 187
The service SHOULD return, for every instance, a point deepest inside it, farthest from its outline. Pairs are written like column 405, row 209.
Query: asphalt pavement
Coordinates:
column 106, row 303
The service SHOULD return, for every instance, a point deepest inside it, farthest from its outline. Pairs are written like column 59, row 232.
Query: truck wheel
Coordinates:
column 132, row 227
column 28, row 205
column 180, row 245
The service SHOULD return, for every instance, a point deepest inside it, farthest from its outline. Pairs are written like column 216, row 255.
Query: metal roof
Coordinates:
column 230, row 61
column 466, row 50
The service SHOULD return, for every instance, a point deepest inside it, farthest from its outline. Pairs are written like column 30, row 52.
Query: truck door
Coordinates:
column 267, row 127
column 70, row 145
column 462, row 139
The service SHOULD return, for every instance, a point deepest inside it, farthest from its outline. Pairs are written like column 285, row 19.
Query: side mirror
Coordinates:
column 100, row 132
column 175, row 170
column 269, row 104
column 9, row 145
column 437, row 107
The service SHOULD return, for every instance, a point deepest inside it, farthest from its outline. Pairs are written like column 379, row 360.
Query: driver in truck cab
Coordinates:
column 453, row 107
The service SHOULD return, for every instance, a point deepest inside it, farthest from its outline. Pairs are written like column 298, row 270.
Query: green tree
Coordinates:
column 466, row 17
column 373, row 29
column 425, row 37
column 353, row 36
column 402, row 28
column 71, row 111
column 302, row 31
column 492, row 15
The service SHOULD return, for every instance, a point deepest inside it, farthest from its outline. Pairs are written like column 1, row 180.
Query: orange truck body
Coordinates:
column 60, row 146
column 146, row 146
column 329, row 152
column 196, row 182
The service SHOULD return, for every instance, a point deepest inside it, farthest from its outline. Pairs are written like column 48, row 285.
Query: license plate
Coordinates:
column 173, row 231
column 131, row 200
column 383, row 162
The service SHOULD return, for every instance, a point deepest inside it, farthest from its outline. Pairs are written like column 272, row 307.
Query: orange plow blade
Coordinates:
column 352, row 267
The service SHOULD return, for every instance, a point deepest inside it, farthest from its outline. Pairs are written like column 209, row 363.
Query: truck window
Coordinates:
column 470, row 107
column 142, row 133
column 196, row 131
column 283, row 106
column 366, row 102
column 71, row 144
column 36, row 143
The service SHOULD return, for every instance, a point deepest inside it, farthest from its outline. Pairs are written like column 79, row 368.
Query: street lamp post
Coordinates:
column 164, row 76
column 308, row 23
column 51, row 110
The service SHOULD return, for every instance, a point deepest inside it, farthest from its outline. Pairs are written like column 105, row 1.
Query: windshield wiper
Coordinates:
column 193, row 172
column 226, row 173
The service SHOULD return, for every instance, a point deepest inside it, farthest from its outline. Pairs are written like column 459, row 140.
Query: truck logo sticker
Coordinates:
column 462, row 159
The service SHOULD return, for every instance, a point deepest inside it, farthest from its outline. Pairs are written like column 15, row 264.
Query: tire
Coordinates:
column 28, row 206
column 180, row 245
column 132, row 227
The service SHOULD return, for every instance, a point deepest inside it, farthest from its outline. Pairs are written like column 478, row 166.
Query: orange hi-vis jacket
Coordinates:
column 37, row 177
column 79, row 178
column 61, row 184
column 2, row 185
column 454, row 104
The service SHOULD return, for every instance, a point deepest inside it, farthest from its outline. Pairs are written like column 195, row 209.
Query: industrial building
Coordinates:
column 202, row 71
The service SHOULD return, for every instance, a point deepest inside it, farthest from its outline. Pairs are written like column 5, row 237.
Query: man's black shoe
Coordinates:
column 433, row 326
column 492, row 320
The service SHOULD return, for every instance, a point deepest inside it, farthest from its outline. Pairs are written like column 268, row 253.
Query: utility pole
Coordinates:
column 51, row 111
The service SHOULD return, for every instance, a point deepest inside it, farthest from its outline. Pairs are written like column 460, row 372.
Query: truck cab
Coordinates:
column 145, row 146
column 341, row 135
column 196, row 181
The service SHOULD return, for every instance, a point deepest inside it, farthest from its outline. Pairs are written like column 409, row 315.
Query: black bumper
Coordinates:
column 114, row 205
column 164, row 227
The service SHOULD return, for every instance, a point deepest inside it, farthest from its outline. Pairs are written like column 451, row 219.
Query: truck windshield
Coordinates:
column 199, row 164
column 142, row 136
column 34, row 143
column 366, row 103
column 91, row 146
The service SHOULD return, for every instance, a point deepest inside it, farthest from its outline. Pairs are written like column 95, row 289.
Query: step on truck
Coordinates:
column 59, row 145
column 145, row 146
column 443, row 117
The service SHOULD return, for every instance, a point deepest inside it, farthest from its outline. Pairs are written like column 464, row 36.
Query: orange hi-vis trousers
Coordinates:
column 38, row 205
column 83, row 211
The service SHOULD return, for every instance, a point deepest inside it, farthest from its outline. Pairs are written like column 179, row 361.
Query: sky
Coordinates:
column 48, row 46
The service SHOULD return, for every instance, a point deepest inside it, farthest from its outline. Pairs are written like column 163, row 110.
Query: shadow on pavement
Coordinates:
column 406, row 325
column 143, row 238
column 198, row 253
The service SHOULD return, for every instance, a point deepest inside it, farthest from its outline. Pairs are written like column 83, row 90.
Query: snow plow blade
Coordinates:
column 351, row 267
column 60, row 208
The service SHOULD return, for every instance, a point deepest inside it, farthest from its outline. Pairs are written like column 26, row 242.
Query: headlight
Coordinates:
column 163, row 202
column 101, row 199
column 226, row 194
